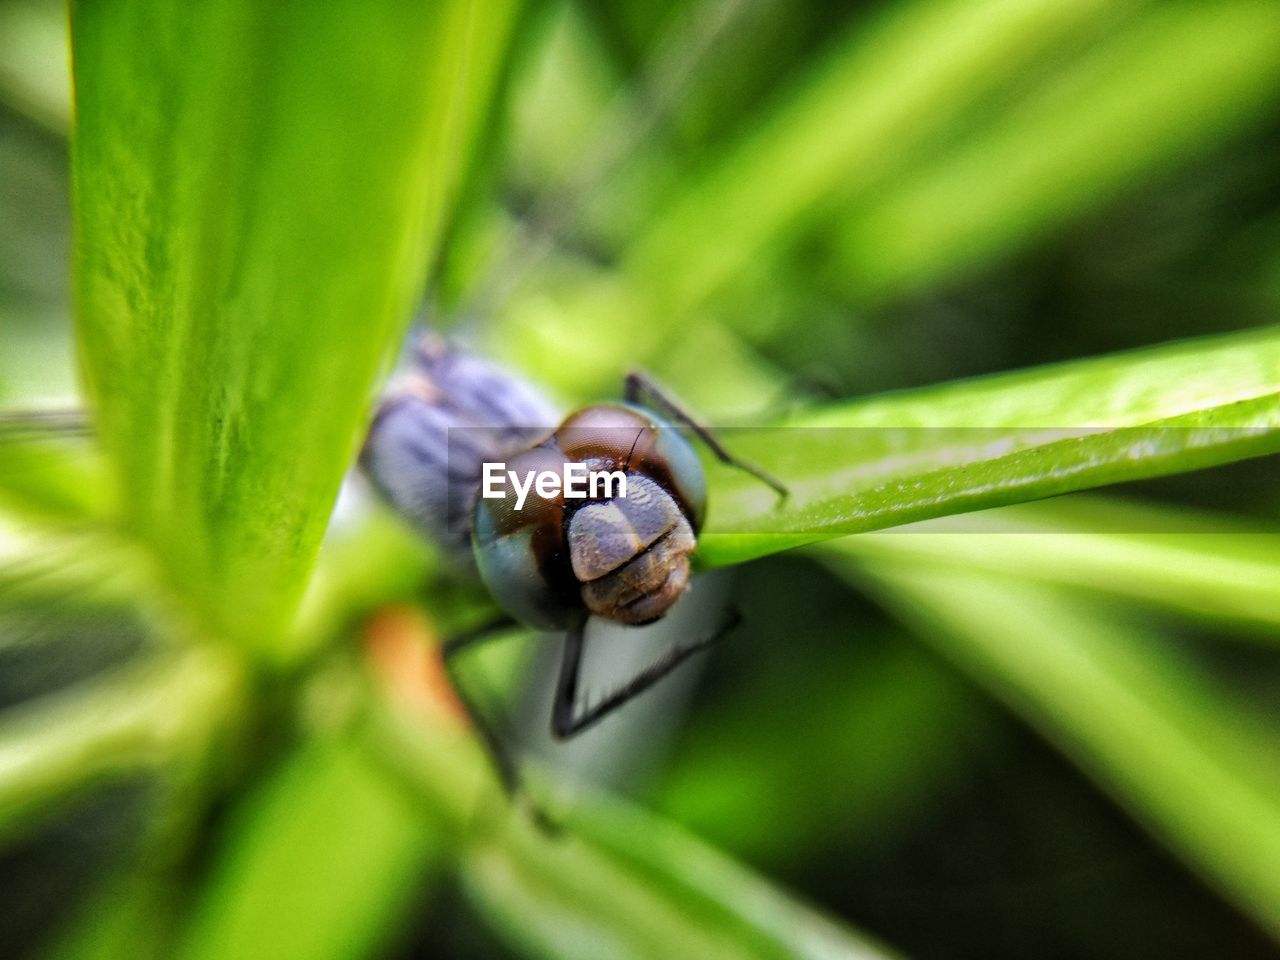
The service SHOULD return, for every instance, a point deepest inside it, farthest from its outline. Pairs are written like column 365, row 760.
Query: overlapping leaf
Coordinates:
column 908, row 456
column 258, row 190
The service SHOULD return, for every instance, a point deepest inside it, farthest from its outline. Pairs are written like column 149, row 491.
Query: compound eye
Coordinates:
column 518, row 504
column 518, row 541
column 673, row 463
column 606, row 435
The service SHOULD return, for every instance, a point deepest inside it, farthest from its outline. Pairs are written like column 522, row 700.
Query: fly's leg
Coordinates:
column 639, row 388
column 496, row 746
column 566, row 723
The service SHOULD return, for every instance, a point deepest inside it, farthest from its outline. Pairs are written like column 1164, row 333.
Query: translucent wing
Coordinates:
column 432, row 434
column 40, row 424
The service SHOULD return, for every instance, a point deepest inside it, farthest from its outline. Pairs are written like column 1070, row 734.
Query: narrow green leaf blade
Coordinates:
column 1184, row 78
column 104, row 728
column 33, row 58
column 322, row 863
column 908, row 456
column 881, row 91
column 632, row 884
column 52, row 473
column 1205, row 565
column 258, row 189
column 615, row 881
column 1173, row 749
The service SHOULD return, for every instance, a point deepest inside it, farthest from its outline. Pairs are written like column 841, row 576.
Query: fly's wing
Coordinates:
column 431, row 437
column 43, row 424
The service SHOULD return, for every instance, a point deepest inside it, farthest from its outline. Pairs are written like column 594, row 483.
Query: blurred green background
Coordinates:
column 223, row 728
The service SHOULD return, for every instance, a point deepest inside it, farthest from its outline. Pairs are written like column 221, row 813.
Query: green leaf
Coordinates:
column 1167, row 744
column 51, row 568
column 1181, row 80
column 33, row 63
column 614, row 881
column 375, row 561
column 902, row 457
column 135, row 718
column 885, row 87
column 628, row 883
column 54, row 473
column 258, row 190
column 1201, row 564
column 319, row 864
column 862, row 108
column 897, row 732
column 129, row 918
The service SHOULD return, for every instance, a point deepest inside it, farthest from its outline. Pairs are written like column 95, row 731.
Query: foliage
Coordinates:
column 926, row 263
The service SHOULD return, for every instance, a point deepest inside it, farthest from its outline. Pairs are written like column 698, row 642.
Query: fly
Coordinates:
column 550, row 561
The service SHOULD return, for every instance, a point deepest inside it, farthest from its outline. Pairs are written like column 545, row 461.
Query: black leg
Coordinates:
column 564, row 722
column 496, row 746
column 642, row 390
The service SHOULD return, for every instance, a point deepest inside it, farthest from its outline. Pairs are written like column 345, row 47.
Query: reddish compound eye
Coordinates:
column 635, row 438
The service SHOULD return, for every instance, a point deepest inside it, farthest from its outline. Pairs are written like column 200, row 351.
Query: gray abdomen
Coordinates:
column 434, row 431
